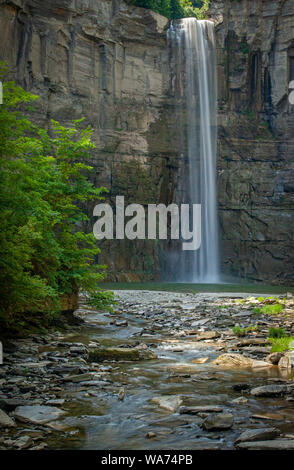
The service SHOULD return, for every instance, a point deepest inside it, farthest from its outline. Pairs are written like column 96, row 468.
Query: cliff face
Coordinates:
column 256, row 140
column 111, row 63
column 108, row 62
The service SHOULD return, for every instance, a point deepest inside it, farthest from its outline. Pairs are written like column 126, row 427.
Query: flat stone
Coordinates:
column 230, row 360
column 269, row 416
column 77, row 378
column 193, row 410
column 5, row 420
column 121, row 354
column 207, row 335
column 277, row 444
column 200, row 360
column 37, row 414
column 269, row 391
column 240, row 401
column 56, row 402
column 253, row 342
column 221, row 421
column 263, row 434
column 168, row 402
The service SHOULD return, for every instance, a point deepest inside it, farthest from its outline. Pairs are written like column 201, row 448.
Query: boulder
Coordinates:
column 239, row 361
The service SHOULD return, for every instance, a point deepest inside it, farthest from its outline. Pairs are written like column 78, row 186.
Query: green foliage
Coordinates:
column 238, row 331
column 274, row 309
column 102, row 300
column 277, row 333
column 44, row 181
column 175, row 9
column 281, row 344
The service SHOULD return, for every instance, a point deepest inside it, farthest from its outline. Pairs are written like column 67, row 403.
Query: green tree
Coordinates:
column 44, row 254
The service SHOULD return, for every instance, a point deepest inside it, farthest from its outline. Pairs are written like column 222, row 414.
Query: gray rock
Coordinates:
column 269, row 391
column 5, row 420
column 217, row 422
column 193, row 410
column 274, row 358
column 277, row 444
column 38, row 414
column 263, row 434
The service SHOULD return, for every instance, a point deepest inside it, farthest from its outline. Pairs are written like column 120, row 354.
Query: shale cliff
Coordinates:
column 111, row 63
column 256, row 137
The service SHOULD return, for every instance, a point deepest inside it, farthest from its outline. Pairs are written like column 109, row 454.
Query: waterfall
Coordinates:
column 192, row 45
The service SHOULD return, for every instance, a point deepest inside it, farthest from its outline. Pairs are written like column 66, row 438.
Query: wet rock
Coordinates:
column 200, row 360
column 269, row 391
column 239, row 361
column 193, row 410
column 9, row 404
column 277, row 444
column 240, row 387
column 269, row 416
column 253, row 341
column 240, row 401
column 263, row 434
column 121, row 394
column 5, row 420
column 150, row 435
column 207, row 335
column 287, row 361
column 168, row 402
column 56, row 402
column 120, row 323
column 77, row 378
column 38, row 414
column 24, row 442
column 121, row 354
column 274, row 358
column 217, row 422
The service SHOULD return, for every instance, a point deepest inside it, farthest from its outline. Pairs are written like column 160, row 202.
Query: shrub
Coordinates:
column 277, row 333
column 44, row 251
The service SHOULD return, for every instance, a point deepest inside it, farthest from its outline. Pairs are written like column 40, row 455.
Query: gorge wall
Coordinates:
column 256, row 138
column 111, row 63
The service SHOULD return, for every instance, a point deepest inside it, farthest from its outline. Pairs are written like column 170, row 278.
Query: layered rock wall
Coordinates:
column 256, row 137
column 111, row 63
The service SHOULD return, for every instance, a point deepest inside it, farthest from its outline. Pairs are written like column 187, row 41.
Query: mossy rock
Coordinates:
column 121, row 354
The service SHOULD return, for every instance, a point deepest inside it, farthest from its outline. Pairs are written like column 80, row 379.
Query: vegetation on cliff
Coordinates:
column 44, row 255
column 175, row 9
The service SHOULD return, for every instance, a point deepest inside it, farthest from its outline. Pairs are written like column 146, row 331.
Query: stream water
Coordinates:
column 102, row 421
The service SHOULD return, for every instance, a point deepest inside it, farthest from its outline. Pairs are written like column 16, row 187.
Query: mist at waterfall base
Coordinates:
column 194, row 86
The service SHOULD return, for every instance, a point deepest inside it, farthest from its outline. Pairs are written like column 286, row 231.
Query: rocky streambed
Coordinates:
column 164, row 371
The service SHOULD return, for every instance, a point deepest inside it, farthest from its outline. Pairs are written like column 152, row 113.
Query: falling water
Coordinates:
column 192, row 43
